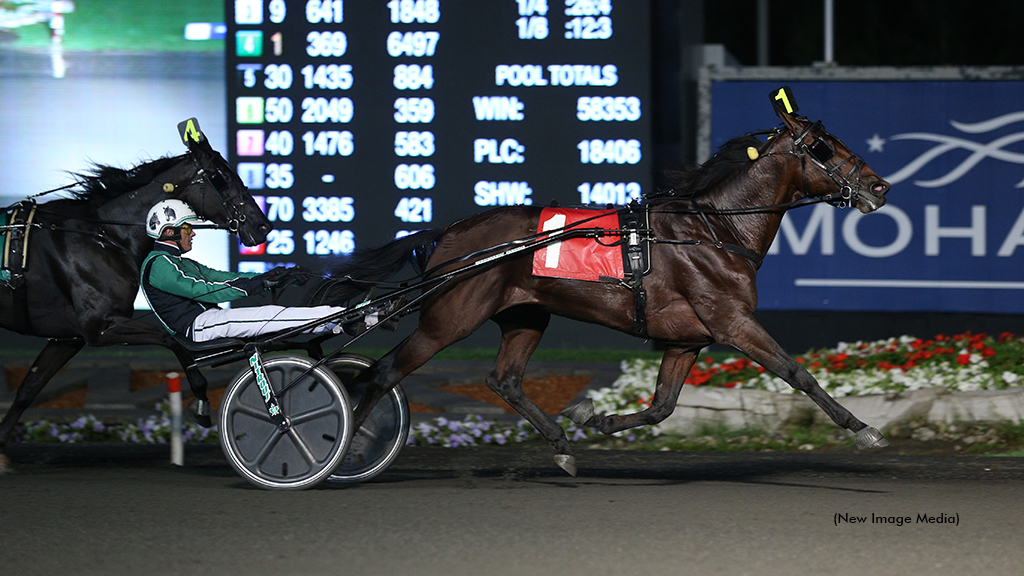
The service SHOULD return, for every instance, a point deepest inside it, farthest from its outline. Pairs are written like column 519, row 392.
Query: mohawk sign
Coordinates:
column 950, row 239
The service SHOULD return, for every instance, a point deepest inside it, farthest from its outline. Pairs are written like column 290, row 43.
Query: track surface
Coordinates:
column 507, row 510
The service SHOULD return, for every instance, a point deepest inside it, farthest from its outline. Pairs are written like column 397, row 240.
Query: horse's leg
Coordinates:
column 439, row 327
column 54, row 356
column 747, row 336
column 675, row 365
column 390, row 369
column 521, row 331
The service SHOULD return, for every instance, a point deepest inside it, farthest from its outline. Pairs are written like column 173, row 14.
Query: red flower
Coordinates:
column 963, row 359
column 698, row 377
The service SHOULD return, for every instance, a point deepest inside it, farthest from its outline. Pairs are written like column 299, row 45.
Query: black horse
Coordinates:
column 84, row 253
column 707, row 237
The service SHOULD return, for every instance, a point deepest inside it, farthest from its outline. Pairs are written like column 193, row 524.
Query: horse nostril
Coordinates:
column 880, row 188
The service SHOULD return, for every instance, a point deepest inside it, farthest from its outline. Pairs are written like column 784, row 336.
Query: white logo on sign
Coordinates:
column 979, row 151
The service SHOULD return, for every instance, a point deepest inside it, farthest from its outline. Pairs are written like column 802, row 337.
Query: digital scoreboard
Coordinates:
column 355, row 122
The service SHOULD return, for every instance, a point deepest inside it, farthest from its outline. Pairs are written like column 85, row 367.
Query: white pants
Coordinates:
column 255, row 321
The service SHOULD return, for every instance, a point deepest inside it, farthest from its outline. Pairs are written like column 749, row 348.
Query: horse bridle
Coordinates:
column 233, row 205
column 819, row 151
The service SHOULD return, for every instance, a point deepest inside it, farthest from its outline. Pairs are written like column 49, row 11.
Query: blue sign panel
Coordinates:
column 951, row 237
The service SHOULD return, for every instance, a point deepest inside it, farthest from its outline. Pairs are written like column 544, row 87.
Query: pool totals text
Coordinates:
column 355, row 122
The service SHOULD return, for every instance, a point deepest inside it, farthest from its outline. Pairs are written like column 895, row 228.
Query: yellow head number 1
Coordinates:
column 781, row 95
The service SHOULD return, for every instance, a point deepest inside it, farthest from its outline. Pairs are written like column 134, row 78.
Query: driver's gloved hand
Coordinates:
column 273, row 278
column 297, row 275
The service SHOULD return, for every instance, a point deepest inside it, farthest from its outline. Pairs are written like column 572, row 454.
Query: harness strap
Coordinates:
column 15, row 260
column 635, row 238
column 735, row 249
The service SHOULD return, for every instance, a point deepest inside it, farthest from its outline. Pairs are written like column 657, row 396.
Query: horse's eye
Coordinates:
column 821, row 151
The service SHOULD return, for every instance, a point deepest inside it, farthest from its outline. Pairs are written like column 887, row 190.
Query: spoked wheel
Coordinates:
column 306, row 453
column 378, row 441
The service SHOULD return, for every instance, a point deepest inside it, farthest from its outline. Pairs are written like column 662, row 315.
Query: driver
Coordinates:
column 184, row 294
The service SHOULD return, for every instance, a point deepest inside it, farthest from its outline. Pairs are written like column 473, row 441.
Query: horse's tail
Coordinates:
column 366, row 267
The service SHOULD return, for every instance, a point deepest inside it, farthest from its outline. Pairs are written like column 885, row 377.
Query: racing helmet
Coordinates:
column 168, row 214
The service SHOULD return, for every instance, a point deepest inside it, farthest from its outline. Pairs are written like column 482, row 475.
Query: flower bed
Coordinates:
column 962, row 363
column 87, row 428
column 475, row 430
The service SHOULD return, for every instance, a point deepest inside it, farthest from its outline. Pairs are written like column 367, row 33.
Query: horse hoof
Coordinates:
column 5, row 465
column 870, row 438
column 199, row 411
column 566, row 462
column 580, row 413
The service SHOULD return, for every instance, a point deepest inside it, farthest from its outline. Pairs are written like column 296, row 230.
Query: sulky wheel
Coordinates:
column 319, row 415
column 378, row 441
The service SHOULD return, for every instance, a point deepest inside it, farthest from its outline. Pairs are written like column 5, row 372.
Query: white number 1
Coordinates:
column 551, row 255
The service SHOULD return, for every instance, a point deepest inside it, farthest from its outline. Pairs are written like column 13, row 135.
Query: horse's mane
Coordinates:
column 690, row 179
column 102, row 182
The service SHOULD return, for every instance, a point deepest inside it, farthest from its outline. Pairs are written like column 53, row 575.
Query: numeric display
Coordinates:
column 363, row 121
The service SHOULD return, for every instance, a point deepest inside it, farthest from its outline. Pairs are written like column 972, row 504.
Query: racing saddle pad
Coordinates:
column 580, row 258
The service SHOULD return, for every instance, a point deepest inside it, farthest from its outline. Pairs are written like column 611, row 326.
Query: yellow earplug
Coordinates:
column 752, row 153
column 168, row 187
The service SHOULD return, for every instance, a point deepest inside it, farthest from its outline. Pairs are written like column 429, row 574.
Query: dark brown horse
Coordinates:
column 696, row 294
column 84, row 254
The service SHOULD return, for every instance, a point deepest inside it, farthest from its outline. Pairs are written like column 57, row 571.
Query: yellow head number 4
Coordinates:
column 190, row 131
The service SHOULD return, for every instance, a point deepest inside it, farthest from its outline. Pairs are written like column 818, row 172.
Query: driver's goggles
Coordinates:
column 186, row 229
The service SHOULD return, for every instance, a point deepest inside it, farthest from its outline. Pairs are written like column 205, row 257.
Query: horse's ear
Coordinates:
column 785, row 107
column 783, row 102
column 192, row 135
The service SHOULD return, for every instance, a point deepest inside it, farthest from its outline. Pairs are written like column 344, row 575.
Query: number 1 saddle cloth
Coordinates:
column 593, row 259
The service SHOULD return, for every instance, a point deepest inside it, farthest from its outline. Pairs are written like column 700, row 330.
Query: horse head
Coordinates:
column 832, row 164
column 219, row 195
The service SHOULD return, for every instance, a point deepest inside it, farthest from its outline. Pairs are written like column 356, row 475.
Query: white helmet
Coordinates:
column 168, row 214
